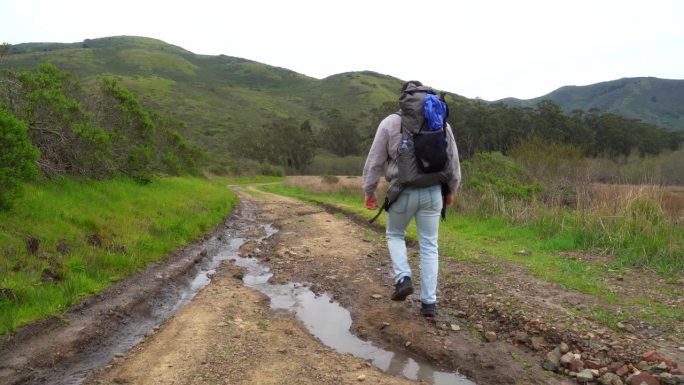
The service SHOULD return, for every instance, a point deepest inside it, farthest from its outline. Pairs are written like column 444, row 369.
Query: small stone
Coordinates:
column 521, row 337
column 608, row 378
column 455, row 327
column 407, row 344
column 642, row 365
column 681, row 348
column 239, row 275
column 361, row 378
column 221, row 324
column 384, row 325
column 119, row 355
column 644, row 378
column 577, row 366
column 282, row 351
column 652, row 356
column 620, row 278
column 523, row 253
column 550, row 366
column 593, row 364
column 567, row 358
column 622, row 371
column 537, row 343
column 490, row 336
column 661, row 367
column 678, row 379
column 564, row 348
column 595, row 372
column 553, row 357
column 376, row 296
column 585, row 376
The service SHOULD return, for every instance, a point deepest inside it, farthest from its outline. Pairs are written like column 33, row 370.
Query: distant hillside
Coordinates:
column 215, row 95
column 232, row 104
column 653, row 100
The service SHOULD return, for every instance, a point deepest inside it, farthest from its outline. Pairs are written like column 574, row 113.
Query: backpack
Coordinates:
column 422, row 159
column 422, row 155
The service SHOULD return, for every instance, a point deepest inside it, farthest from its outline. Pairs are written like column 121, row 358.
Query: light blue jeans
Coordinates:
column 425, row 204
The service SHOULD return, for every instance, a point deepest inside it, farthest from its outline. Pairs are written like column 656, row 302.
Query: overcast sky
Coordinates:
column 486, row 49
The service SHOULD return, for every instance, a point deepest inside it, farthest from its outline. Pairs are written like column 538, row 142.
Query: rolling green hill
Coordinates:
column 231, row 104
column 215, row 95
column 653, row 100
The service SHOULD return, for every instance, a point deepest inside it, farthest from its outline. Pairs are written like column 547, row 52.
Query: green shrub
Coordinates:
column 267, row 169
column 17, row 158
column 330, row 179
column 493, row 172
column 549, row 161
column 328, row 164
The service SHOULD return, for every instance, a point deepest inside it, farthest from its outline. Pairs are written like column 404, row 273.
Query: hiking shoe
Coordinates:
column 428, row 309
column 402, row 290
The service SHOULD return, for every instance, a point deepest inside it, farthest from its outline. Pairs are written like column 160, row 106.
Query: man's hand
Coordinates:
column 449, row 200
column 371, row 202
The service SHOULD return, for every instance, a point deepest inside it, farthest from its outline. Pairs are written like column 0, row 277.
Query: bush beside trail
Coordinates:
column 17, row 158
column 98, row 135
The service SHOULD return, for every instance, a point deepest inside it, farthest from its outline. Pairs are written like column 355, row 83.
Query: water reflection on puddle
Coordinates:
column 331, row 324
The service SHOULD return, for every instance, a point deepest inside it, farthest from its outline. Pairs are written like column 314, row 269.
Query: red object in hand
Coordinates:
column 371, row 202
column 449, row 200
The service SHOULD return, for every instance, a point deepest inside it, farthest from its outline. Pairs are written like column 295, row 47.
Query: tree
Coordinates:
column 281, row 142
column 4, row 50
column 340, row 136
column 17, row 158
column 372, row 120
column 305, row 149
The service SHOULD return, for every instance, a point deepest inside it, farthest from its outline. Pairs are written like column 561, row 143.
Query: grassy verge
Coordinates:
column 65, row 239
column 549, row 246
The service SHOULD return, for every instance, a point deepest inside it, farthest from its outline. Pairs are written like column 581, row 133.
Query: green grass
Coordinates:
column 92, row 233
column 477, row 239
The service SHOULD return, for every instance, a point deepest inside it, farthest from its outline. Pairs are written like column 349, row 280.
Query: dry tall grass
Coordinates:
column 607, row 199
column 326, row 184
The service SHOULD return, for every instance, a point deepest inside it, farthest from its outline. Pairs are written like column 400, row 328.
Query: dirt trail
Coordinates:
column 229, row 334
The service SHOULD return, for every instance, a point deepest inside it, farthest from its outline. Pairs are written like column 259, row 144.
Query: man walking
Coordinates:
column 423, row 201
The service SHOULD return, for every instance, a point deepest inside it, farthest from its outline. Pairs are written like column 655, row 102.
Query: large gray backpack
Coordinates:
column 422, row 158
